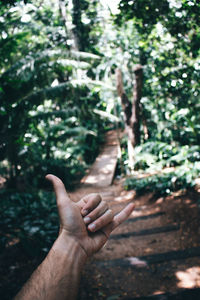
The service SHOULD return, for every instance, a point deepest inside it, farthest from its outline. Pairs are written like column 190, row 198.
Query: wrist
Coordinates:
column 67, row 245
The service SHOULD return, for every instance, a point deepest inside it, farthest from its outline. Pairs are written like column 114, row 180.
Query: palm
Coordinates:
column 72, row 223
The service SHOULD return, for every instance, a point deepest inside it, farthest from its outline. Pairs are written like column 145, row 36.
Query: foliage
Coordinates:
column 154, row 155
column 181, row 165
column 47, row 99
column 162, row 36
column 28, row 218
column 154, row 37
column 163, row 184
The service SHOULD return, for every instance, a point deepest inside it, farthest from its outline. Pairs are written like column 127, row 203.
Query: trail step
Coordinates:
column 152, row 216
column 144, row 261
column 150, row 231
column 189, row 294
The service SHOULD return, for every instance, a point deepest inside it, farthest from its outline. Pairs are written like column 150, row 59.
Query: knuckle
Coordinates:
column 95, row 198
column 93, row 214
column 104, row 204
column 111, row 213
column 98, row 197
column 99, row 210
column 98, row 224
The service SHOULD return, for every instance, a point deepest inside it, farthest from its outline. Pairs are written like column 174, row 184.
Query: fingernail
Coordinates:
column 87, row 220
column 92, row 227
column 84, row 212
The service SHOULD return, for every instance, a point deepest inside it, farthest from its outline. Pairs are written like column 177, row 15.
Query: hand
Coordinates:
column 92, row 231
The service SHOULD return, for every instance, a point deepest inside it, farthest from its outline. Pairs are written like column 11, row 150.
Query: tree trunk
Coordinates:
column 126, row 104
column 135, row 116
column 144, row 123
column 78, row 26
column 69, row 33
column 63, row 15
column 131, row 111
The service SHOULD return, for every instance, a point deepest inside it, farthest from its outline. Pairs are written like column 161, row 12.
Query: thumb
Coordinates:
column 59, row 189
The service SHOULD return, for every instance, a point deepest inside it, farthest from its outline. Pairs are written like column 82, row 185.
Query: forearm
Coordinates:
column 59, row 274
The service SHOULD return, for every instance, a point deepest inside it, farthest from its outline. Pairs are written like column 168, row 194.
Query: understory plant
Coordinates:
column 28, row 220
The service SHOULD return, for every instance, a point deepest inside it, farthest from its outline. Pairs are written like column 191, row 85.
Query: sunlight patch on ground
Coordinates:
column 135, row 261
column 158, row 292
column 128, row 196
column 136, row 213
column 102, row 175
column 189, row 278
column 102, row 172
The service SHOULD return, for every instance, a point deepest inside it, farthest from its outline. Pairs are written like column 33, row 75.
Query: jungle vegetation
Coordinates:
column 59, row 94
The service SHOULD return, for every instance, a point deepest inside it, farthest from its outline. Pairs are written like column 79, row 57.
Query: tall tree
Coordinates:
column 131, row 111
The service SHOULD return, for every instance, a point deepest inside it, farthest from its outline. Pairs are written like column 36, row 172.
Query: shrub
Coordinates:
column 30, row 219
column 165, row 183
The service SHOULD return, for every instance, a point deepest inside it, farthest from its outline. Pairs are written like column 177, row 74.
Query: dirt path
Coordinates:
column 102, row 171
column 155, row 252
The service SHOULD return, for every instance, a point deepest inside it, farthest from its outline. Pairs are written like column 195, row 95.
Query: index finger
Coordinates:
column 118, row 219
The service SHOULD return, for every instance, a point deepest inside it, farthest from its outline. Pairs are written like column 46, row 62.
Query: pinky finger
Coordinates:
column 119, row 218
column 123, row 215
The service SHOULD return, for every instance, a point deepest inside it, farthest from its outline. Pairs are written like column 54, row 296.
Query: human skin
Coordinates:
column 85, row 227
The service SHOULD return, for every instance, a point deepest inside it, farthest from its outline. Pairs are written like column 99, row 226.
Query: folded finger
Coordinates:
column 102, row 221
column 96, row 213
column 89, row 203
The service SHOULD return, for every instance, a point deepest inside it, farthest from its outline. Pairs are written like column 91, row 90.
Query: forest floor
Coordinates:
column 155, row 252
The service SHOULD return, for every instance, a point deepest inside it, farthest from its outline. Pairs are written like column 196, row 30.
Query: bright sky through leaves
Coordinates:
column 113, row 5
